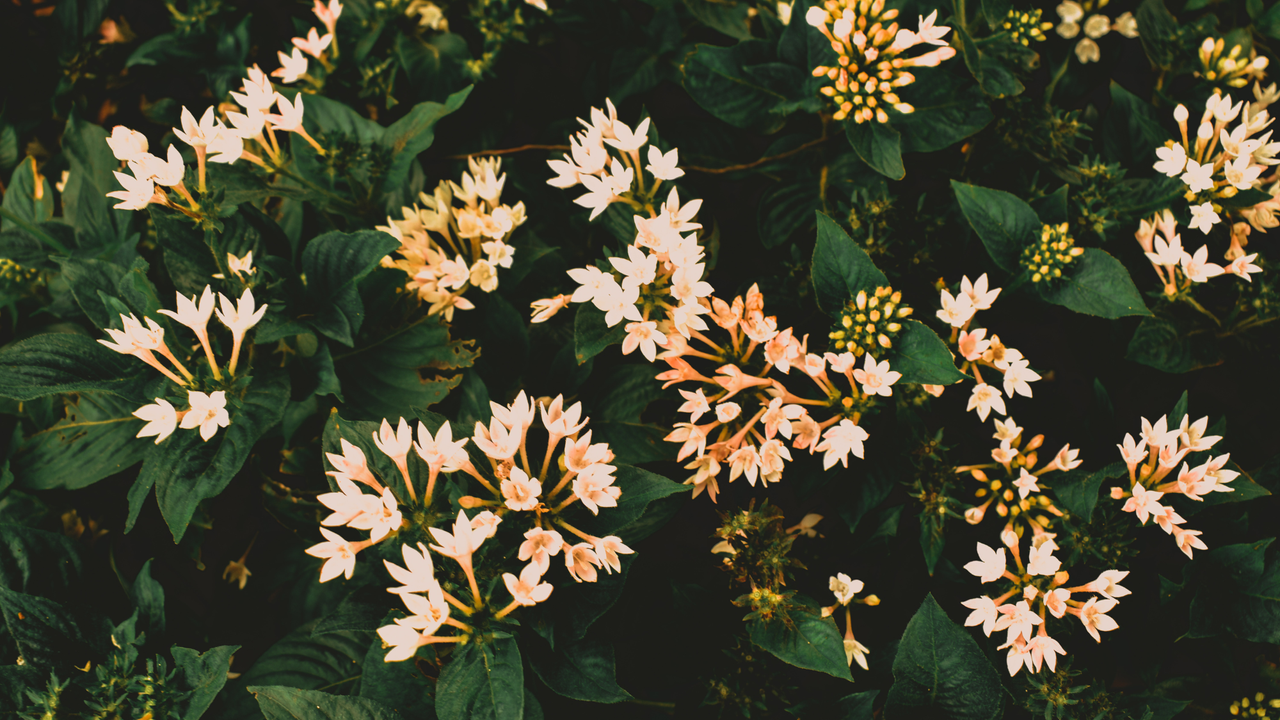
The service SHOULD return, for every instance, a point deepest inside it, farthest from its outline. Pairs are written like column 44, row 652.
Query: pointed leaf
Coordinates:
column 941, row 672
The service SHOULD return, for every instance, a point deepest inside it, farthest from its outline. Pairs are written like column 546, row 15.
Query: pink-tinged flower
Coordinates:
column 838, row 441
column 1192, row 435
column 161, row 418
column 1157, row 435
column 347, row 504
column 1026, row 484
column 594, row 487
column 1188, row 540
column 197, row 134
column 978, row 293
column 291, row 67
column 328, row 14
column 706, row 468
column 1056, row 601
column 520, row 413
column 990, row 566
column 1004, row 454
column 1018, row 619
column 1216, row 474
column 727, row 411
column 645, row 336
column 695, row 403
column 520, row 492
column 1016, row 377
column 1167, row 518
column 984, row 613
column 1143, row 503
column 1094, row 617
column 404, row 641
column 664, row 166
column 956, row 311
column 560, row 422
column 418, row 574
column 777, row 418
column 208, row 412
column 238, row 318
column 1197, row 268
column 340, row 555
column 1006, row 430
column 1108, row 584
column 772, row 456
column 429, row 612
column 1133, row 453
column 290, row 117
column 744, row 461
column 485, row 524
column 528, row 589
column 984, row 399
column 497, row 441
column 1168, row 253
column 1066, row 458
column 973, row 344
column 607, row 550
column 127, row 144
column 313, row 44
column 1040, row 560
column 1203, row 218
column 783, row 351
column 137, row 192
column 731, row 378
column 546, row 308
column 538, row 547
column 440, row 453
column 805, row 432
column 580, row 454
column 855, row 651
column 1243, row 265
column 395, row 444
column 876, row 378
column 929, row 33
column 581, row 561
column 351, row 463
column 461, row 542
column 382, row 519
column 1045, row 650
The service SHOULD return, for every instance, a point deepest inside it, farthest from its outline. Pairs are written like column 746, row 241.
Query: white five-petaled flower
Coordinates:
column 197, row 134
column 1026, row 484
column 956, row 311
column 978, row 293
column 594, row 487
column 538, row 547
column 1173, row 160
column 876, row 378
column 528, row 589
column 581, row 560
column 313, row 44
column 521, row 492
column 984, row 399
column 137, row 193
column 607, row 550
column 348, row 503
column 844, row 588
column 1016, row 378
column 290, row 117
column 161, row 419
column 1197, row 177
column 985, row 613
column 1197, row 267
column 292, row 66
column 127, row 144
column 1203, row 218
column 840, row 440
column 208, row 412
column 990, row 566
column 339, row 554
column 645, row 336
column 664, row 166
column 1094, row 616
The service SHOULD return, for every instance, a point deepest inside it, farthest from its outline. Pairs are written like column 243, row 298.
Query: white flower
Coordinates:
column 844, row 588
column 1198, row 178
column 538, row 547
column 956, row 311
column 137, row 193
column 1203, row 218
column 161, row 419
column 208, row 412
column 127, row 144
column 1241, row 172
column 1016, row 377
column 840, row 440
column 1197, row 268
column 990, row 566
column 290, row 117
column 594, row 487
column 528, row 589
column 929, row 33
column 978, row 293
column 1087, row 51
column 626, row 140
column 197, row 134
column 984, row 613
column 291, row 67
column 607, row 549
column 340, row 555
column 664, row 166
column 313, row 44
column 1172, row 160
column 1097, row 26
column 876, row 378
column 520, row 492
column 984, row 398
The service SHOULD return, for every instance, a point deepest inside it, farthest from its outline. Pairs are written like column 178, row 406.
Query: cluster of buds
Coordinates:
column 18, row 280
column 476, row 234
column 1024, row 26
column 1220, row 164
column 1095, row 26
column 1230, row 68
column 869, row 323
column 1040, row 592
column 979, row 351
column 845, row 589
column 517, row 496
column 871, row 61
column 1179, row 269
column 324, row 48
column 207, row 410
column 1257, row 706
column 1151, row 461
column 1017, row 494
column 1047, row 258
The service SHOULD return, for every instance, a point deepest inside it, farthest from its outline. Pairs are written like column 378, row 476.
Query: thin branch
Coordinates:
column 509, row 151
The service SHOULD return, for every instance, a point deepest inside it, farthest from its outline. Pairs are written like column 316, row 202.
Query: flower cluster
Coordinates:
column 324, row 48
column 845, row 589
column 978, row 351
column 207, row 411
column 1221, row 164
column 1177, row 268
column 1040, row 592
column 1017, row 495
column 1255, row 707
column 1024, row 26
column 582, row 475
column 1095, row 26
column 869, row 323
column 1151, row 461
column 1047, row 258
column 475, row 234
column 871, row 61
column 1230, row 68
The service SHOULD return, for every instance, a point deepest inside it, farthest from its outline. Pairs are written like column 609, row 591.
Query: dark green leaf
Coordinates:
column 581, row 671
column 923, row 357
column 1097, row 284
column 47, row 634
column 879, row 146
column 332, row 263
column 642, row 493
column 96, row 439
column 1237, row 591
column 841, row 268
column 205, row 673
column 1004, row 223
column 298, row 660
column 1158, row 32
column 785, row 208
column 89, row 277
column 482, row 682
column 57, row 363
column 36, row 561
column 946, row 111
column 409, row 136
column 590, row 335
column 856, row 706
column 995, row 11
column 729, row 18
column 807, row 640
column 742, row 85
column 1131, row 131
column 398, row 685
column 24, row 199
column 287, row 703
column 998, row 80
column 148, row 597
column 386, row 376
column 940, row 672
column 1077, row 490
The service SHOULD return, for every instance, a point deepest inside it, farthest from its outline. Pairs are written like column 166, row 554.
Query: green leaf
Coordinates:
column 641, row 508
column 995, row 11
column 1003, row 222
column 148, row 597
column 1237, row 592
column 298, row 660
column 1158, row 31
column 205, row 673
column 37, row 561
column 85, row 202
column 806, row 640
column 1077, row 490
column 785, row 208
column 840, row 268
column 940, row 672
column 87, row 278
column 1098, row 285
column 1131, row 132
column 743, row 85
column 186, row 469
column 577, row 606
column 582, row 671
column 47, row 634
column 482, row 682
column 56, row 363
column 95, row 440
column 1052, row 208
column 729, row 18
column 590, row 335
column 856, row 706
column 1269, row 22
column 399, row 685
column 383, row 377
column 409, row 136
column 20, row 196
column 923, row 357
column 1167, row 345
column 998, row 80
column 286, row 703
column 947, row 111
column 332, row 263
column 879, row 146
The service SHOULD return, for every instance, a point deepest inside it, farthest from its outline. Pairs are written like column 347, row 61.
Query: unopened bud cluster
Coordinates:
column 1256, row 707
column 16, row 279
column 1025, row 26
column 1050, row 256
column 1230, row 68
column 869, row 323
